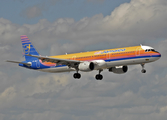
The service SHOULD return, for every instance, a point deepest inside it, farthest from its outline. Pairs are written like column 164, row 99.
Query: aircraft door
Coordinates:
column 108, row 56
column 38, row 64
column 138, row 51
column 74, row 58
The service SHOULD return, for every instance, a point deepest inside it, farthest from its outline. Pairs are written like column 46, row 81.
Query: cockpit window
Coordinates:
column 147, row 50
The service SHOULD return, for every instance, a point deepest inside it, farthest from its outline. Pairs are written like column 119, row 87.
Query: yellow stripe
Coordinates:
column 91, row 53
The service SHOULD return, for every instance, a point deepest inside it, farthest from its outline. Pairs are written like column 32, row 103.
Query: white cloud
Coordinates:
column 27, row 94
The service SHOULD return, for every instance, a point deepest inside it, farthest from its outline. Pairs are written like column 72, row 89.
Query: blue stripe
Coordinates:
column 156, row 55
column 132, row 58
column 136, row 57
column 26, row 43
column 24, row 39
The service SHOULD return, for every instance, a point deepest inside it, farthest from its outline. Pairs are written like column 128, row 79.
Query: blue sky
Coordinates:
column 15, row 10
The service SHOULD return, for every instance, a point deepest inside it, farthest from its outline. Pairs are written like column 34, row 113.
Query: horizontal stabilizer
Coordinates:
column 28, row 64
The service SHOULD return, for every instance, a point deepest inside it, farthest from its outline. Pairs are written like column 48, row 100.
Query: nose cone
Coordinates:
column 158, row 55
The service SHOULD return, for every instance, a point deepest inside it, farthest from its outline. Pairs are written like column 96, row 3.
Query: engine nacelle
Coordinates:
column 86, row 66
column 119, row 69
column 99, row 64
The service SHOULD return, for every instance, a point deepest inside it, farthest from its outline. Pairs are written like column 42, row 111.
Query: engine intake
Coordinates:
column 119, row 69
column 86, row 66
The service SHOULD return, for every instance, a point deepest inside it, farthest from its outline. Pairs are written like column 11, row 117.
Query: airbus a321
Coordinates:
column 115, row 60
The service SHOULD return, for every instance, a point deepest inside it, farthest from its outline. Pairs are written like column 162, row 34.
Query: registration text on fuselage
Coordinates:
column 110, row 51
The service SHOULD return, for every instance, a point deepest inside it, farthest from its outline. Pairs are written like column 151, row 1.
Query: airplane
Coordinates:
column 115, row 60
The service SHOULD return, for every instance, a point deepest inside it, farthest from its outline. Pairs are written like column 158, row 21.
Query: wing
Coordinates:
column 58, row 61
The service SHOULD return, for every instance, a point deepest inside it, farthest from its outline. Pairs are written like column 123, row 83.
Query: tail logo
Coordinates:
column 27, row 48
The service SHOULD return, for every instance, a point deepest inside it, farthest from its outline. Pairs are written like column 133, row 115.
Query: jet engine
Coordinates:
column 119, row 69
column 86, row 66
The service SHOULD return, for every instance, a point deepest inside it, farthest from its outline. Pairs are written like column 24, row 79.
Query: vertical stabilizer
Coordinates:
column 28, row 48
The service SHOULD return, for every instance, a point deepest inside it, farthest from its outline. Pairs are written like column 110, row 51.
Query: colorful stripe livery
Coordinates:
column 28, row 48
column 128, row 53
column 115, row 60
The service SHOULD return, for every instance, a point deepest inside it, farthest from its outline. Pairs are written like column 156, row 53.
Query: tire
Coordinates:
column 143, row 71
column 78, row 75
column 99, row 77
column 75, row 75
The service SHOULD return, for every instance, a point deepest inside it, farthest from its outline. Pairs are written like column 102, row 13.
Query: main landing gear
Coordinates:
column 77, row 75
column 143, row 70
column 99, row 76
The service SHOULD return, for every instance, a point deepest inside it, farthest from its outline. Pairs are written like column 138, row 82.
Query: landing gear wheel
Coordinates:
column 99, row 77
column 77, row 75
column 143, row 71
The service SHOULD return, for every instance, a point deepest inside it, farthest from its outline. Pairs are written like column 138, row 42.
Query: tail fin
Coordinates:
column 28, row 48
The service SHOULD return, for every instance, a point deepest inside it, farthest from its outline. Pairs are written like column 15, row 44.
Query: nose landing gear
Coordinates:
column 143, row 70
